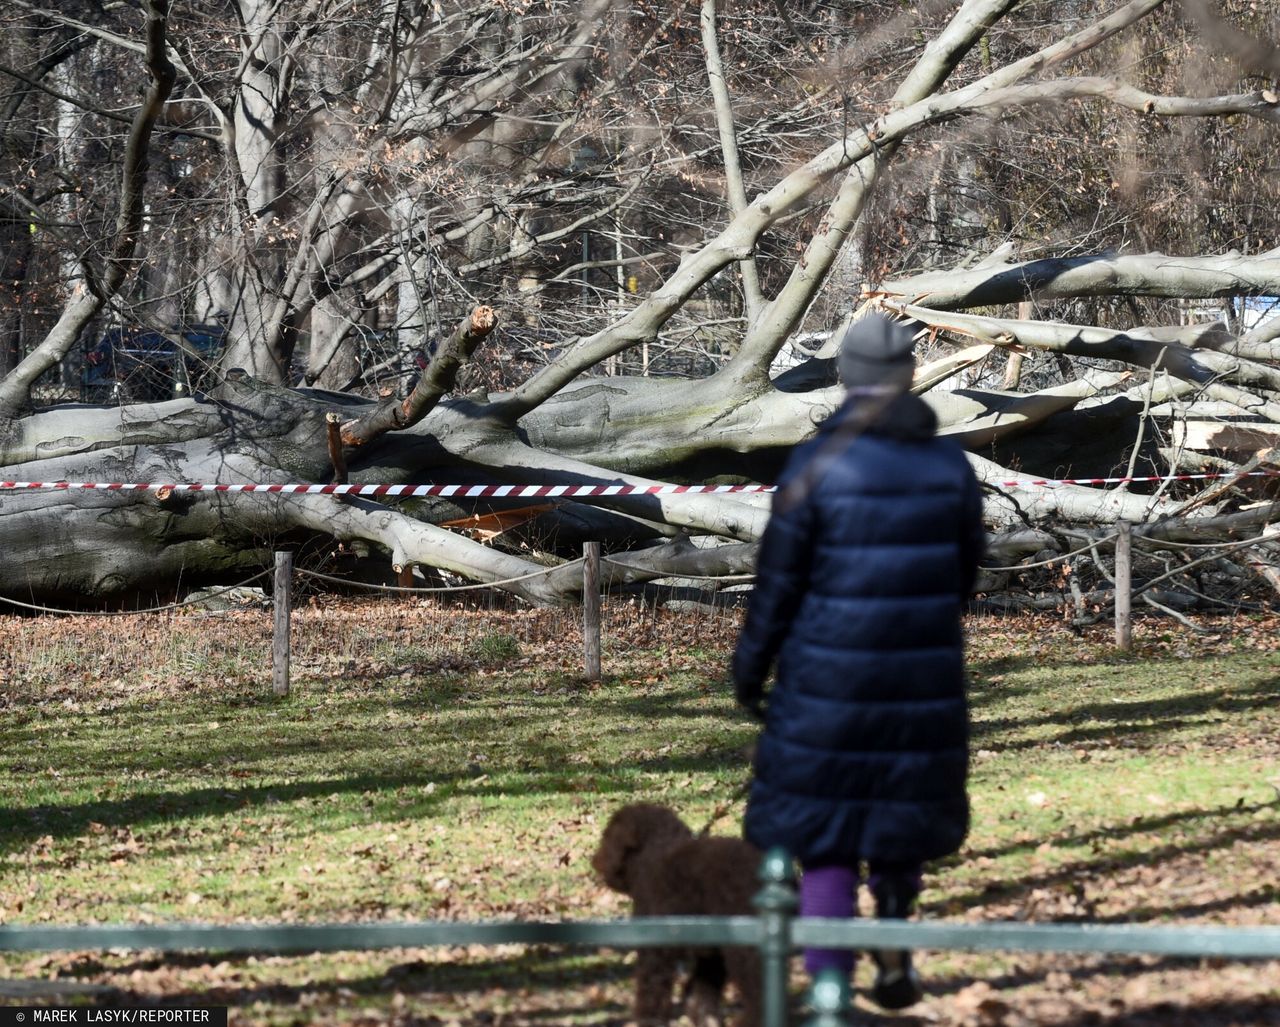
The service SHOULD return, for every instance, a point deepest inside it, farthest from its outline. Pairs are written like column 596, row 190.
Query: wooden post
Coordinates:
column 1013, row 369
column 283, row 595
column 591, row 609
column 1124, row 586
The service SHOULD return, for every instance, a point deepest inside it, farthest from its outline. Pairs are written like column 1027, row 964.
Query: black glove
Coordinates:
column 751, row 698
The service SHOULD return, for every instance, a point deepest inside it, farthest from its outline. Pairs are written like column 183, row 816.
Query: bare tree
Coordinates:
column 598, row 195
column 101, row 283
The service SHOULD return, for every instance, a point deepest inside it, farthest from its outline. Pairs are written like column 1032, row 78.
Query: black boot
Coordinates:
column 897, row 985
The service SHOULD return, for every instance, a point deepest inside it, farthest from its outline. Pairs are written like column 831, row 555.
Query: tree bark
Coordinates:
column 15, row 388
column 384, row 202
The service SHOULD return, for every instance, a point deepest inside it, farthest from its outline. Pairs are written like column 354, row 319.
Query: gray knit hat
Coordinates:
column 876, row 351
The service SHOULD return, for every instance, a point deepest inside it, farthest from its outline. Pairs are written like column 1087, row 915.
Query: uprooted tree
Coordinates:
column 604, row 242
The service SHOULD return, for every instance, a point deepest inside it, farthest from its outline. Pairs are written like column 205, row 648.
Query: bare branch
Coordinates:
column 738, row 239
column 723, row 107
column 397, row 415
column 1154, row 274
column 15, row 389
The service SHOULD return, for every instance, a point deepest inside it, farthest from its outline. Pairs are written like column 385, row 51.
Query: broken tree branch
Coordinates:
column 396, row 415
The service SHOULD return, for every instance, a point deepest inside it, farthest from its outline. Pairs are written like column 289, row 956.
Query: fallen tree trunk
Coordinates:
column 66, row 544
column 567, row 423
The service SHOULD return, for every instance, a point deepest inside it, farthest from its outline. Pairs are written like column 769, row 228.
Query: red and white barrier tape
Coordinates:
column 545, row 491
column 463, row 491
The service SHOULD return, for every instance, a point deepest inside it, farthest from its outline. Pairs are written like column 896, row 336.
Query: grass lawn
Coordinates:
column 446, row 763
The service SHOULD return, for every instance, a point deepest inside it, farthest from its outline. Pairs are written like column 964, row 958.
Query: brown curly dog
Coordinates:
column 648, row 853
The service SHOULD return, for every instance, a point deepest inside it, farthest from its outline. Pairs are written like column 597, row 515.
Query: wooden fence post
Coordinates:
column 591, row 609
column 282, row 607
column 1124, row 586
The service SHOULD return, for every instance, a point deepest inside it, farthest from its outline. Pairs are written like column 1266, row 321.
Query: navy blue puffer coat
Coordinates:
column 861, row 584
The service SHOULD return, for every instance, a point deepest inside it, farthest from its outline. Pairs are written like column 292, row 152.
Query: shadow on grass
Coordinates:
column 547, row 971
column 1261, row 1010
column 1255, row 899
column 182, row 738
column 1132, row 719
column 558, row 986
column 1135, row 825
column 21, row 825
column 1094, row 869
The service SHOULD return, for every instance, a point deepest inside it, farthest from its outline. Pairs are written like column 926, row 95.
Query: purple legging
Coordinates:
column 831, row 891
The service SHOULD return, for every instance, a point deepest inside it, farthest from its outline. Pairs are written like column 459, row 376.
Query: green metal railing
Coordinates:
column 775, row 931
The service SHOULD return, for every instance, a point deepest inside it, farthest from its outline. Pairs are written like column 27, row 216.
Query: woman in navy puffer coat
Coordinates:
column 863, row 574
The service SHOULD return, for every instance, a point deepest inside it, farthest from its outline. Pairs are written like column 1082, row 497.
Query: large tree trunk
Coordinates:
column 68, row 544
column 363, row 184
